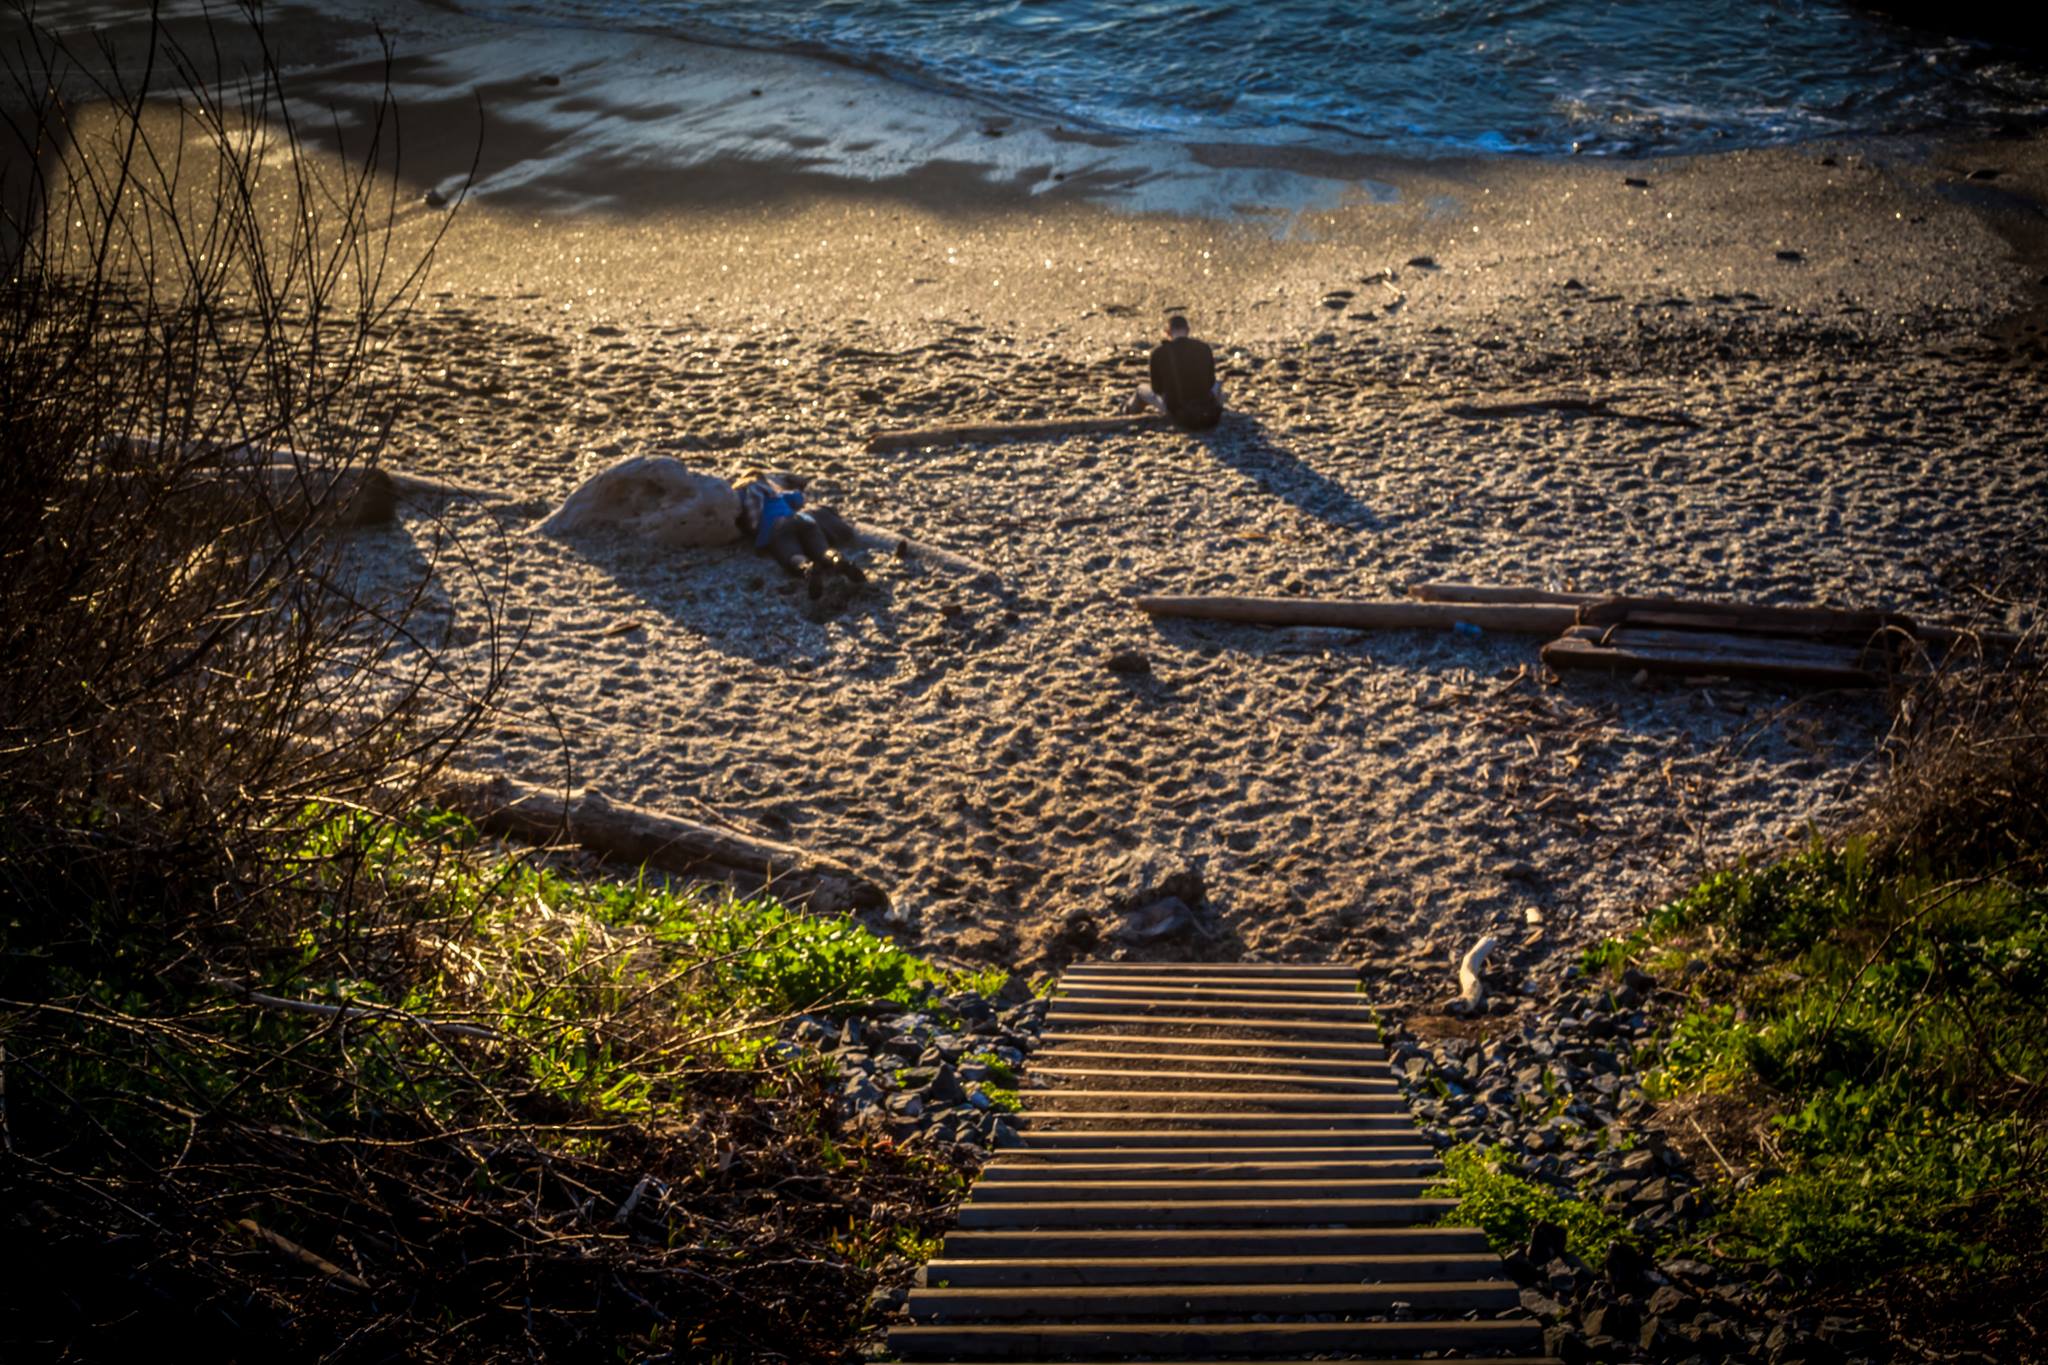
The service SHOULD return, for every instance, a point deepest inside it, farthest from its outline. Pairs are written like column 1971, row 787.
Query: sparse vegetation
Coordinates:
column 1504, row 1205
column 1878, row 1005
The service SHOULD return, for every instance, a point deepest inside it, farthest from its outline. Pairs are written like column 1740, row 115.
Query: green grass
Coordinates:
column 1505, row 1205
column 614, row 1032
column 1891, row 1022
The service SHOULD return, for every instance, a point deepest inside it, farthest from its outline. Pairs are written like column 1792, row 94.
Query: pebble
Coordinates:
column 905, row 1071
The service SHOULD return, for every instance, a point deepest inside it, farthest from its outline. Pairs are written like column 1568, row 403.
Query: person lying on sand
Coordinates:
column 1184, row 384
column 771, row 511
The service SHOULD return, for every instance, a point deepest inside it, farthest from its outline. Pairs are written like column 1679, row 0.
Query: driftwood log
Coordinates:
column 344, row 498
column 641, row 837
column 972, row 434
column 882, row 540
column 1579, row 403
column 1358, row 614
column 1610, row 607
column 1699, row 653
column 1495, row 592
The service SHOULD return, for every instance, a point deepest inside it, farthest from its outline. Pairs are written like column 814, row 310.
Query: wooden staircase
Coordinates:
column 1216, row 1165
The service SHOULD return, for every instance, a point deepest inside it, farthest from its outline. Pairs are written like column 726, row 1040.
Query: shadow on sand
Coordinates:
column 1243, row 443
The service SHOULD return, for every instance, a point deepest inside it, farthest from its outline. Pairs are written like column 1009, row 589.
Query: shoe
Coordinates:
column 851, row 571
column 814, row 580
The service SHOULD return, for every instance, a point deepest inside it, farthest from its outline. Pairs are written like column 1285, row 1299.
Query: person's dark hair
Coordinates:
column 1177, row 323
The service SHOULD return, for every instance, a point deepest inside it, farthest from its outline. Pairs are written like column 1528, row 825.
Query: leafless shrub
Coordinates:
column 191, row 306
column 1968, row 750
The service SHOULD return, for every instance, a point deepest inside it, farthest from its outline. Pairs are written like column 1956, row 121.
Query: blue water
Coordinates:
column 1404, row 76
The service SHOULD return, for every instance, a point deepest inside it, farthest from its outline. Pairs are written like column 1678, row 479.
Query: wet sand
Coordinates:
column 1824, row 313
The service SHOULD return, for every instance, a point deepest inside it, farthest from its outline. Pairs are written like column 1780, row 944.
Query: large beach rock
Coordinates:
column 653, row 499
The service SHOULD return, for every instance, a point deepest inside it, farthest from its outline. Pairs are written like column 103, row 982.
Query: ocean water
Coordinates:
column 1633, row 77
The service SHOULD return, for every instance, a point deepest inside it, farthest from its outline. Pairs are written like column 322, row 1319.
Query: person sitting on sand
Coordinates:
column 1184, row 384
column 772, row 512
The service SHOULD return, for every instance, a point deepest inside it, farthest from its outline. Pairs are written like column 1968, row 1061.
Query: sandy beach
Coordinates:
column 750, row 262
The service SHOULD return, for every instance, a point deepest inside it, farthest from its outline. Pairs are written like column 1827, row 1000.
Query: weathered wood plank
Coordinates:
column 1107, row 1270
column 977, row 433
column 1570, row 653
column 979, row 1213
column 1359, row 614
column 1030, row 1302
column 1050, row 1341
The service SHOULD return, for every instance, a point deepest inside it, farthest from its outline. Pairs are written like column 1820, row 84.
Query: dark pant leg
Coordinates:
column 838, row 530
column 785, row 543
column 808, row 535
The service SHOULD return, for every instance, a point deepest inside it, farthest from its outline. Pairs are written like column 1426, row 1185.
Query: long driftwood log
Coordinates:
column 1495, row 592
column 974, row 433
column 656, row 839
column 1589, row 406
column 1358, row 614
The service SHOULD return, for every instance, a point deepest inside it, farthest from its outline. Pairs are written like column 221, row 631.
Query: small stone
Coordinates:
column 1791, row 256
column 1611, row 1320
column 945, row 1086
column 1635, row 182
column 1423, row 262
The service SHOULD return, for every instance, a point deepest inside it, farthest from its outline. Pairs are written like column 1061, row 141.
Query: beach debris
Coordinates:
column 1163, row 918
column 1696, row 638
column 1361, row 614
column 1579, row 403
column 652, row 499
column 1154, row 897
column 1471, row 989
column 638, row 836
column 1636, row 636
column 882, row 540
column 989, row 432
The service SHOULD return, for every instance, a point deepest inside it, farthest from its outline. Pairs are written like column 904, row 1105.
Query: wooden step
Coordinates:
column 1193, row 989
column 1064, row 1099
column 1064, row 1018
column 1010, row 1170
column 1429, row 1298
column 1235, row 1065
column 1367, row 1051
column 1242, row 1132
column 1288, row 1269
column 1105, row 1076
column 1206, row 1341
column 1207, row 1006
column 1150, row 1243
column 1076, row 1189
column 1259, row 988
column 981, row 1213
column 1288, row 970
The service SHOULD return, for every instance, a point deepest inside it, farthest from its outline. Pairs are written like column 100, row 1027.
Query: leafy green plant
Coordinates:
column 1505, row 1205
